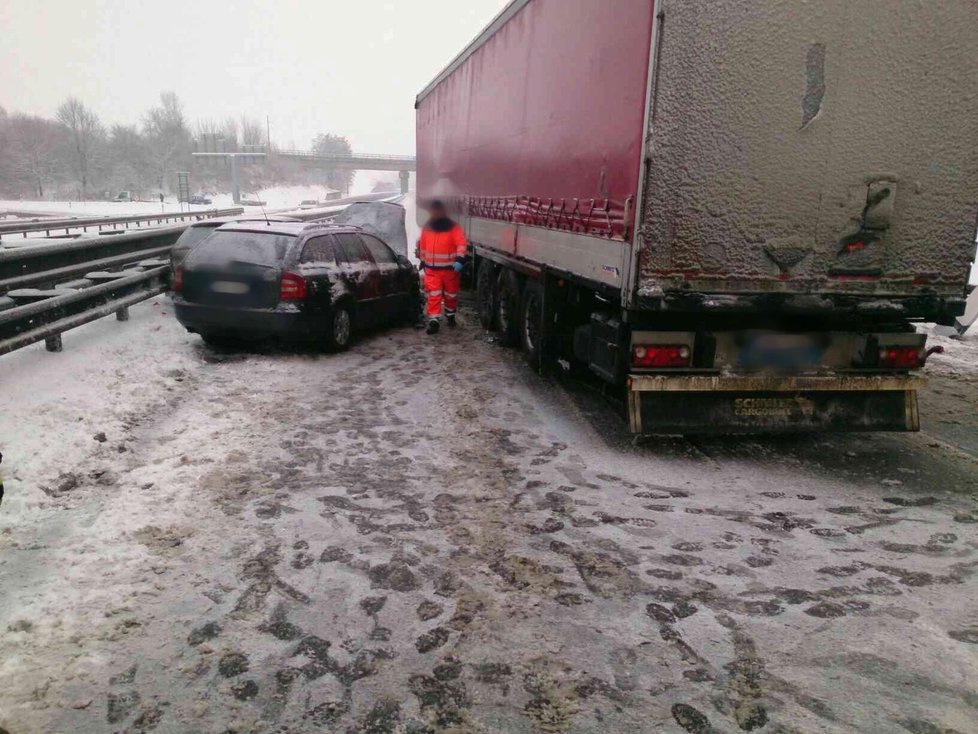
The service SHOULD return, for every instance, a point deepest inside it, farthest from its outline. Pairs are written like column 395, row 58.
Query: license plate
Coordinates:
column 230, row 287
column 781, row 351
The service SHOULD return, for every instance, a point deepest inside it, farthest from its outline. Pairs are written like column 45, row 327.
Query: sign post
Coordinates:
column 183, row 189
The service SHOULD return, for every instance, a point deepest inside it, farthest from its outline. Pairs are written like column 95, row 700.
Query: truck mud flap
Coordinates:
column 781, row 405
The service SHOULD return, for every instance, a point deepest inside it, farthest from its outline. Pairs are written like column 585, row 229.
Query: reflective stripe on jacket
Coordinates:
column 440, row 250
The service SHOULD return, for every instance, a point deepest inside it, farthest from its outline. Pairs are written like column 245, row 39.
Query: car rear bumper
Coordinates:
column 714, row 404
column 243, row 323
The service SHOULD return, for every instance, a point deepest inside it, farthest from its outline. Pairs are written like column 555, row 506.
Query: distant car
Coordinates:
column 308, row 204
column 200, row 199
column 197, row 231
column 126, row 196
column 293, row 281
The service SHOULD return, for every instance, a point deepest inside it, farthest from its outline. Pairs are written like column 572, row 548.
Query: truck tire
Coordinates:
column 508, row 305
column 531, row 322
column 484, row 295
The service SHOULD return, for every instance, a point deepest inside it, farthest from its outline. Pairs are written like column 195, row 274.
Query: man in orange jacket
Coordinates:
column 442, row 249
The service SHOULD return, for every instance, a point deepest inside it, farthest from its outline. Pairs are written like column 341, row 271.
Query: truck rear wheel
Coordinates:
column 484, row 295
column 531, row 322
column 508, row 303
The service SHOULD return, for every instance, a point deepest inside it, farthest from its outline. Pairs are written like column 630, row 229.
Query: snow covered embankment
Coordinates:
column 57, row 410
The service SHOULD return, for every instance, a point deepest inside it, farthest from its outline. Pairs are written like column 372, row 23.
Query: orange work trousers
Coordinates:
column 442, row 286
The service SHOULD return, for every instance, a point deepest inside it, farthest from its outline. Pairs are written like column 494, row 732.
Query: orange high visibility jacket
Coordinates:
column 441, row 245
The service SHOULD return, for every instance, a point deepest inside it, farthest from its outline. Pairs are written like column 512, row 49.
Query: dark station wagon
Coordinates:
column 293, row 281
column 199, row 231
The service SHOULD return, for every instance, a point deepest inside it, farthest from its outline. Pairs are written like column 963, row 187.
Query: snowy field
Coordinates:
column 50, row 410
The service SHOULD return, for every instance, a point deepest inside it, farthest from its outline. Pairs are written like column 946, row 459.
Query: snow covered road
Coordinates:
column 422, row 535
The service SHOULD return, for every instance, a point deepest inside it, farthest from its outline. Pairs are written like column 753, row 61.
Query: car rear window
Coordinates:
column 192, row 235
column 255, row 248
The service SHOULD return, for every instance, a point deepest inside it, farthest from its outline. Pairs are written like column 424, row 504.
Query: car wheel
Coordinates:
column 340, row 332
column 483, row 295
column 531, row 322
column 508, row 308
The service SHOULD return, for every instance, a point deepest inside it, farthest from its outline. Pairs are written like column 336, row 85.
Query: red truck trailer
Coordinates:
column 734, row 211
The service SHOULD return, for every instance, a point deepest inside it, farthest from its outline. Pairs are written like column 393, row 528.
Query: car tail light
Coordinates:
column 901, row 357
column 293, row 287
column 177, row 284
column 661, row 355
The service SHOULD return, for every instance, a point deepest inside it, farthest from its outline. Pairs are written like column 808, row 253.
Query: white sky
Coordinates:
column 351, row 67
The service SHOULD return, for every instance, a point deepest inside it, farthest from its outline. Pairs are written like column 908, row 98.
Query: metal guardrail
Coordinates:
column 50, row 265
column 84, row 223
column 48, row 314
column 49, row 289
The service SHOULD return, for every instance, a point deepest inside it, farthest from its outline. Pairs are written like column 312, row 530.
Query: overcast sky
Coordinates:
column 351, row 67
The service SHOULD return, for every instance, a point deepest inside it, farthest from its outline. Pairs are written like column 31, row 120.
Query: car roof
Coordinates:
column 220, row 221
column 289, row 228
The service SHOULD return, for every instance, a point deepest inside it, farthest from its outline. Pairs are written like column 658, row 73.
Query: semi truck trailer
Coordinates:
column 732, row 212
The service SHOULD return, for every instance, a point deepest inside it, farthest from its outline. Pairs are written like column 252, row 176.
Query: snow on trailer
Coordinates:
column 831, row 151
column 749, row 184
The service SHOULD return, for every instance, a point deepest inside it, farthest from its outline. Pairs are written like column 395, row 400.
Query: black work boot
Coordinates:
column 451, row 320
column 433, row 327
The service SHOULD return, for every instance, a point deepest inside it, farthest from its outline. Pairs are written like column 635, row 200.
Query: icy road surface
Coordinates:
column 421, row 535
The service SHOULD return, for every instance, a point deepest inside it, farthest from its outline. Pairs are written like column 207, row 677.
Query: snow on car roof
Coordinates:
column 292, row 228
column 220, row 221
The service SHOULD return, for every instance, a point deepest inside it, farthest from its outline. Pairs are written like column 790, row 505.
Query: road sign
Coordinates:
column 183, row 186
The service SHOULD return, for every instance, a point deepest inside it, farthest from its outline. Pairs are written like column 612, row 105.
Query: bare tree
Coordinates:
column 229, row 130
column 86, row 132
column 330, row 144
column 167, row 135
column 206, row 126
column 37, row 155
column 33, row 145
column 206, row 132
column 6, row 161
column 252, row 131
column 128, row 156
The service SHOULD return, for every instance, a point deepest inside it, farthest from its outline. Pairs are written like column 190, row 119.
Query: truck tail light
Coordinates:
column 661, row 355
column 901, row 358
column 177, row 284
column 293, row 287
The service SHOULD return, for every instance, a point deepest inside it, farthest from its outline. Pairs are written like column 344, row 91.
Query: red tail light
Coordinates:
column 661, row 355
column 901, row 358
column 293, row 287
column 177, row 284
